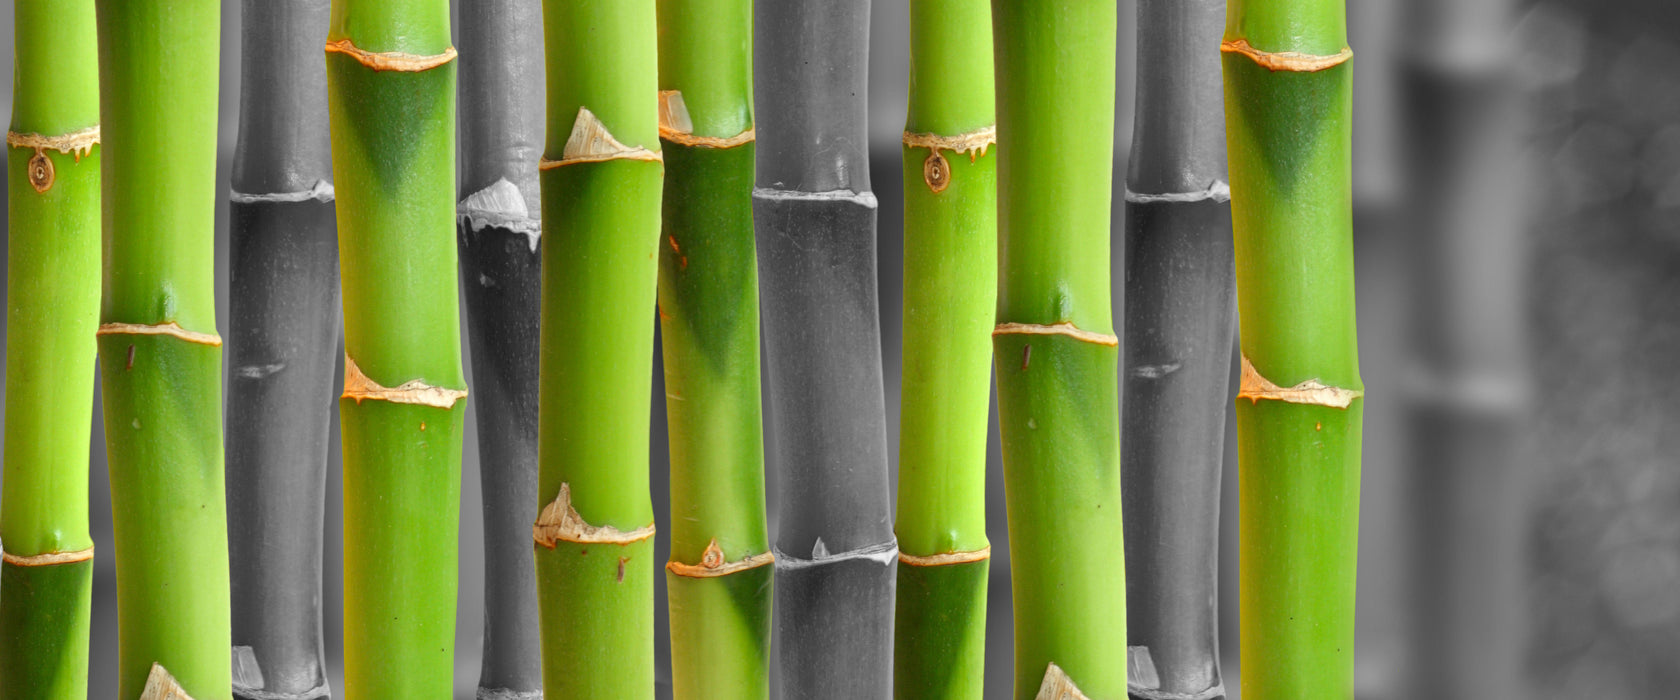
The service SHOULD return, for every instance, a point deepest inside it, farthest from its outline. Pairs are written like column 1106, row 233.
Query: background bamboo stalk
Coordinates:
column 1287, row 97
column 950, row 300
column 718, row 579
column 1055, row 354
column 601, row 185
column 499, row 238
column 814, row 216
column 52, row 175
column 161, row 360
column 391, row 98
column 282, row 336
column 1180, row 318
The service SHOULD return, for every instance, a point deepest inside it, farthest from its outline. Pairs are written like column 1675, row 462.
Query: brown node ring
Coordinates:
column 936, row 172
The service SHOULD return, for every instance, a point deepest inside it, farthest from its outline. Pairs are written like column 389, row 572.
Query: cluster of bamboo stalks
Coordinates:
column 646, row 187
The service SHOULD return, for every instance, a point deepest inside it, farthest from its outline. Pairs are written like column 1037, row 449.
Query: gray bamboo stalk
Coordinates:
column 1180, row 317
column 502, row 122
column 282, row 345
column 1467, row 384
column 814, row 216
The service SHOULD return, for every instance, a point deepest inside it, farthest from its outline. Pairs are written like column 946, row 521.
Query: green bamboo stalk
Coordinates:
column 1288, row 118
column 601, row 188
column 718, row 579
column 950, row 301
column 161, row 368
column 391, row 102
column 52, row 264
column 1055, row 351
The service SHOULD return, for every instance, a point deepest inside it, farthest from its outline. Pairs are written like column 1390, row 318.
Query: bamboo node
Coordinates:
column 1064, row 328
column 162, row 686
column 48, row 558
column 676, row 126
column 946, row 558
column 1313, row 392
column 40, row 169
column 1287, row 61
column 170, row 329
column 360, row 387
column 560, row 522
column 974, row 143
column 590, row 142
column 712, row 563
column 396, row 61
column 1058, row 686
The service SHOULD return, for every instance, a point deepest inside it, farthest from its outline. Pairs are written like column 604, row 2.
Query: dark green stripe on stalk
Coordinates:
column 1288, row 136
column 600, row 272
column 393, row 134
column 1057, row 398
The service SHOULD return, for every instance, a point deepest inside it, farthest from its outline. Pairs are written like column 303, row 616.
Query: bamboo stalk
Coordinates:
column 718, row 579
column 1180, row 318
column 499, row 240
column 162, row 367
column 814, row 217
column 601, row 186
column 1287, row 97
column 52, row 264
column 283, row 331
column 391, row 98
column 1056, row 355
column 1469, row 388
column 950, row 299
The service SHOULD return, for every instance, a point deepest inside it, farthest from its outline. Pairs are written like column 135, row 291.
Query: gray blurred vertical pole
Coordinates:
column 1468, row 379
column 814, row 216
column 282, row 342
column 501, row 132
column 1179, row 323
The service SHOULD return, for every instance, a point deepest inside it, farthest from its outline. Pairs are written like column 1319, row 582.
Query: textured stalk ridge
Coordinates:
column 391, row 101
column 1180, row 318
column 499, row 237
column 1055, row 353
column 950, row 300
column 718, row 580
column 601, row 185
column 53, row 258
column 161, row 361
column 814, row 219
column 282, row 338
column 1287, row 106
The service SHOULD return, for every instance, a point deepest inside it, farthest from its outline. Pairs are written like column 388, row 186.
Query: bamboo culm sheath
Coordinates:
column 601, row 186
column 499, row 238
column 391, row 101
column 950, row 301
column 1180, row 319
column 719, row 578
column 814, row 219
column 1288, row 76
column 160, row 358
column 282, row 338
column 52, row 311
column 1055, row 353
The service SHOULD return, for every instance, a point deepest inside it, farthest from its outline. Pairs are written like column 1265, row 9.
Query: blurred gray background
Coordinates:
column 1517, row 199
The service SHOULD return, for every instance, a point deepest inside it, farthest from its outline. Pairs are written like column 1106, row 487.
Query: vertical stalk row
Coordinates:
column 282, row 334
column 718, row 579
column 1180, row 317
column 1287, row 104
column 501, row 96
column 950, row 301
column 161, row 369
column 52, row 264
column 1054, row 347
column 814, row 217
column 391, row 99
column 601, row 184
